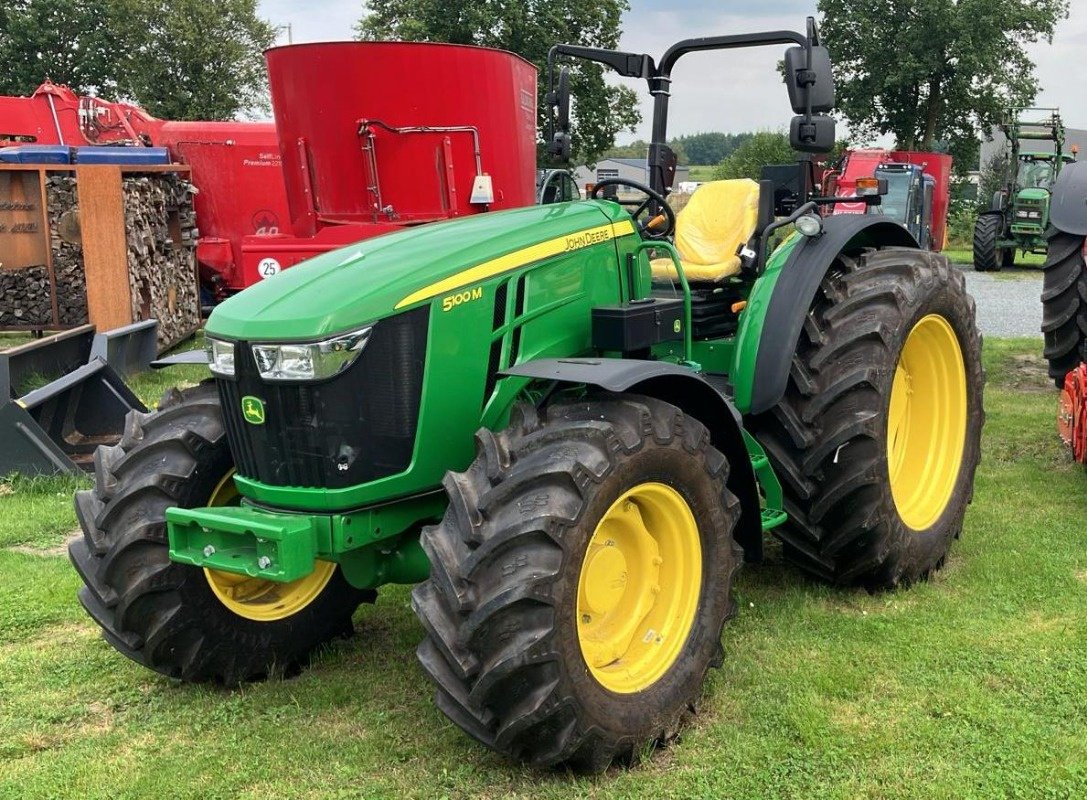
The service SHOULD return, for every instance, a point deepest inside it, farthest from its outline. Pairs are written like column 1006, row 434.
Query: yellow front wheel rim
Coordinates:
column 256, row 598
column 638, row 589
column 926, row 422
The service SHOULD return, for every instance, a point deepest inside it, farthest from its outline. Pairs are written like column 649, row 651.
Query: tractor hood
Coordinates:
column 1032, row 194
column 364, row 282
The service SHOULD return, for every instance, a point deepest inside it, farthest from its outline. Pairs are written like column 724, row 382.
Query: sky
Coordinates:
column 725, row 91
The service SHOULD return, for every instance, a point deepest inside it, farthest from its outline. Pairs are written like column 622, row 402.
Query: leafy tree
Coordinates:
column 636, row 149
column 932, row 70
column 992, row 177
column 760, row 149
column 63, row 40
column 528, row 28
column 201, row 59
column 188, row 59
column 713, row 147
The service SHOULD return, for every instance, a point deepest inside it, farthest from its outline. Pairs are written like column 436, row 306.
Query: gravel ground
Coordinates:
column 1009, row 302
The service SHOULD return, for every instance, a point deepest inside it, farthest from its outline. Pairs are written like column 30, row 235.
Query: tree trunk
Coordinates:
column 932, row 113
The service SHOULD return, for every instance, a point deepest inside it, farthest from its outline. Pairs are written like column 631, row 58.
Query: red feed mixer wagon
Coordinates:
column 374, row 137
column 377, row 136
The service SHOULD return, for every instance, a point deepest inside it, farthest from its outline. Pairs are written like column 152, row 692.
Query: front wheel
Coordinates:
column 987, row 256
column 878, row 434
column 580, row 581
column 179, row 620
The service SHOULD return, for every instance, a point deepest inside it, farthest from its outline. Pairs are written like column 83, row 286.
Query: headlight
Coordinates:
column 309, row 361
column 220, row 357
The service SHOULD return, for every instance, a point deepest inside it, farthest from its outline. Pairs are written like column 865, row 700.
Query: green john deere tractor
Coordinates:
column 1018, row 215
column 568, row 424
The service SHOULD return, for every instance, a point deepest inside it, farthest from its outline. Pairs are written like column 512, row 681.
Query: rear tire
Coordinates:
column 987, row 256
column 502, row 608
column 162, row 614
column 828, row 437
column 1064, row 304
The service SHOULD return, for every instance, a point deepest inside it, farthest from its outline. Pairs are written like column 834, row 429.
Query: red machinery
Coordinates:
column 378, row 136
column 919, row 189
column 375, row 137
column 1072, row 413
column 235, row 165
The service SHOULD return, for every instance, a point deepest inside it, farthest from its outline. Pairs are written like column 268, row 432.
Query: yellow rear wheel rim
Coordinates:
column 638, row 588
column 926, row 422
column 256, row 598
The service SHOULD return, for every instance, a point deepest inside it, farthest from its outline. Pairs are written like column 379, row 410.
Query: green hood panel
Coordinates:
column 363, row 282
column 1032, row 194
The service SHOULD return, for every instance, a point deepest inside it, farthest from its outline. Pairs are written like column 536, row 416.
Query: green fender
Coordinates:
column 770, row 325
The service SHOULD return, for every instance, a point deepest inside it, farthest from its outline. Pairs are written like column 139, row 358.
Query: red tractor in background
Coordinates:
column 918, row 189
column 405, row 134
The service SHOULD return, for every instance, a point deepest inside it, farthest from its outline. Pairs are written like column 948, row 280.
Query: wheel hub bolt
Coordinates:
column 209, row 551
column 586, row 618
column 264, row 562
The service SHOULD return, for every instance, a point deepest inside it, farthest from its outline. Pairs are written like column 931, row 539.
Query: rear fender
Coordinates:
column 1068, row 207
column 687, row 391
column 771, row 323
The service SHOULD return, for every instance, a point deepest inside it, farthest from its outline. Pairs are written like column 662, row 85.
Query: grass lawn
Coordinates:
column 966, row 256
column 702, row 172
column 971, row 686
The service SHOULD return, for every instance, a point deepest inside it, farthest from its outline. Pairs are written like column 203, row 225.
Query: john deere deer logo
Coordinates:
column 253, row 410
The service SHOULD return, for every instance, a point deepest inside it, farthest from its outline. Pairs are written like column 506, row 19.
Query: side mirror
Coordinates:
column 815, row 135
column 559, row 100
column 806, row 81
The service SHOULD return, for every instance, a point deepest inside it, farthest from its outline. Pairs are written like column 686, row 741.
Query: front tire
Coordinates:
column 1064, row 304
column 987, row 256
column 562, row 533
column 877, row 437
column 177, row 619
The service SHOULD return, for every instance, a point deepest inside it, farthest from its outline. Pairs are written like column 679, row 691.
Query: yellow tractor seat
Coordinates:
column 720, row 217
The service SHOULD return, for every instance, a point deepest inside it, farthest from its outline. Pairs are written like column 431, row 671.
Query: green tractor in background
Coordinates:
column 569, row 424
column 1019, row 212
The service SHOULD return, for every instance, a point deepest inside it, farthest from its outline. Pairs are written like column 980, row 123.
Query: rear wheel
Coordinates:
column 179, row 620
column 580, row 581
column 878, row 435
column 1064, row 304
column 987, row 256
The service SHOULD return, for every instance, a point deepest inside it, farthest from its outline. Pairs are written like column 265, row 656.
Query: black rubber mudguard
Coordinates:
column 796, row 288
column 684, row 389
column 1068, row 209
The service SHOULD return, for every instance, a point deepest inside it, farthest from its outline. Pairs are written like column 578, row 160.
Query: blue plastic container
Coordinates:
column 128, row 156
column 36, row 154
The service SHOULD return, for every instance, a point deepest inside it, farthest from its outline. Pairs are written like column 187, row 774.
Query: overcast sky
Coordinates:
column 724, row 91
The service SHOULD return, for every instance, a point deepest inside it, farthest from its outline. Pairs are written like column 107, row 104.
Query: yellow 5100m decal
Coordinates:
column 519, row 258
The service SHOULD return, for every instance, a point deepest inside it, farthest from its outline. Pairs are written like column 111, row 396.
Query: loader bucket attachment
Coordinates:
column 63, row 396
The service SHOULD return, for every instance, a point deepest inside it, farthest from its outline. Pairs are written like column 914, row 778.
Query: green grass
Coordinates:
column 702, row 172
column 966, row 256
column 13, row 339
column 973, row 685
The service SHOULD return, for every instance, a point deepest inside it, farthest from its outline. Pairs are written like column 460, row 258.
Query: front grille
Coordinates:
column 354, row 428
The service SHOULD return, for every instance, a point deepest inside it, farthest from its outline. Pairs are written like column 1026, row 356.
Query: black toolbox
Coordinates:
column 638, row 324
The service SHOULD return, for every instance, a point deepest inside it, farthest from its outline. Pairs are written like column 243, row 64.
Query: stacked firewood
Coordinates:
column 161, row 228
column 62, row 204
column 26, row 295
column 25, row 299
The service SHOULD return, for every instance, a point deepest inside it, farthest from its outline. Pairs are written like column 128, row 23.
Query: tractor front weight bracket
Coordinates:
column 373, row 546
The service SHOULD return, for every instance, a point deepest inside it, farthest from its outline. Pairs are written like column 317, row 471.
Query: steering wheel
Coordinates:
column 658, row 226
